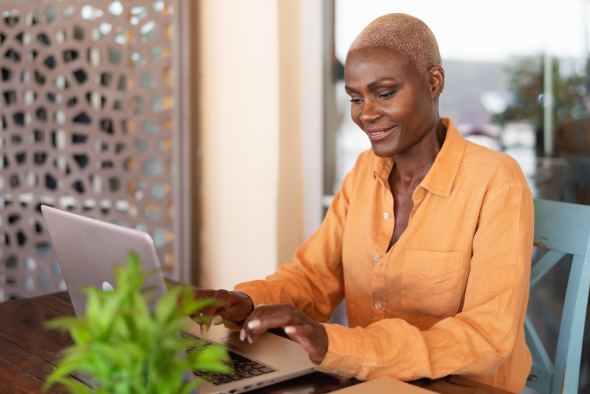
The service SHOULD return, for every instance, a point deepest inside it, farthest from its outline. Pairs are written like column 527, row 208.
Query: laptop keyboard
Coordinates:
column 243, row 367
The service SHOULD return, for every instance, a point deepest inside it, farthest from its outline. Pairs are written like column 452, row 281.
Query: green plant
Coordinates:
column 127, row 349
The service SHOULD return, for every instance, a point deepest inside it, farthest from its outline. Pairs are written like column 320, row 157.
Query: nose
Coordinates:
column 369, row 113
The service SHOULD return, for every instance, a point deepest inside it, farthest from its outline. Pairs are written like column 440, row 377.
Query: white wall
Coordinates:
column 239, row 136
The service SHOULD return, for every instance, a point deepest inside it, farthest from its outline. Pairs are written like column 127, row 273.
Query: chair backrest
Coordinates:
column 563, row 229
column 576, row 179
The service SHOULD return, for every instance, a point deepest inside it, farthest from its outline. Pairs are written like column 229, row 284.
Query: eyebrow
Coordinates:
column 371, row 84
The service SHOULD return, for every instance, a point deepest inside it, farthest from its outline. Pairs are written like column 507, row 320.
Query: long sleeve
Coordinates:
column 477, row 340
column 448, row 298
column 313, row 282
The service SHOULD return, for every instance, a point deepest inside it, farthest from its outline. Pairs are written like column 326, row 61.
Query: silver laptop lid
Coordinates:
column 87, row 248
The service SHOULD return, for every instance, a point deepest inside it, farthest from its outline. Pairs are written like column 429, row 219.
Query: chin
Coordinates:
column 381, row 150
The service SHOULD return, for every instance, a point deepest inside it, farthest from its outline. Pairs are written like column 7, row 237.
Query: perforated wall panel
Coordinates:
column 86, row 125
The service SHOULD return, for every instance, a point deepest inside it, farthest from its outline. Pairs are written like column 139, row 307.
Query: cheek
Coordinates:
column 402, row 108
column 355, row 114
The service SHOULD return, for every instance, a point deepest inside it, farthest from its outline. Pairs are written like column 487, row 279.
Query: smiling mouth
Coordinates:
column 377, row 134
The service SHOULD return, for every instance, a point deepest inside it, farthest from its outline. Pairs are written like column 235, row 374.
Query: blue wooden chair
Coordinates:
column 562, row 228
column 576, row 178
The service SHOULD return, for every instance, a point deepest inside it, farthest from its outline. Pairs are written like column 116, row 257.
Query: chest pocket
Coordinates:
column 432, row 282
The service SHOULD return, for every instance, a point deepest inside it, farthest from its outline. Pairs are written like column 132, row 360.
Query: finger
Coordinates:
column 219, row 299
column 199, row 295
column 220, row 317
column 262, row 310
column 203, row 293
column 197, row 318
column 232, row 317
column 301, row 334
column 237, row 312
column 272, row 320
column 207, row 318
column 210, row 311
column 253, row 316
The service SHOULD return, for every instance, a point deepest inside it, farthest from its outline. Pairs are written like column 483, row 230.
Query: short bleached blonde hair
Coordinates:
column 406, row 35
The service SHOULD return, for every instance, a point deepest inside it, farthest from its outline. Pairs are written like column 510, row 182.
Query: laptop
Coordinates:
column 85, row 250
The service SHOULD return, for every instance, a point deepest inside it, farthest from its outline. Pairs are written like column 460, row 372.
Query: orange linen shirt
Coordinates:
column 448, row 299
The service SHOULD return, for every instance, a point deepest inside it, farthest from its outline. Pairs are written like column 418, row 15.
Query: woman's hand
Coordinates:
column 234, row 307
column 297, row 325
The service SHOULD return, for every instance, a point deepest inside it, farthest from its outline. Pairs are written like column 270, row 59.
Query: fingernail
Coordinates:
column 216, row 320
column 203, row 329
column 254, row 324
column 242, row 335
column 250, row 340
column 290, row 330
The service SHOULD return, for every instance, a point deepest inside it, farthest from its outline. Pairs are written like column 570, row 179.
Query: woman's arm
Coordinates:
column 313, row 282
column 477, row 340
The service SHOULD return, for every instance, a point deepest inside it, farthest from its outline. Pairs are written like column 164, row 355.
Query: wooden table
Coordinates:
column 29, row 352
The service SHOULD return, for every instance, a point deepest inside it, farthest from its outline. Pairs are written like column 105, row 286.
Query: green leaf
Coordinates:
column 213, row 353
column 128, row 348
column 64, row 323
column 212, row 367
column 166, row 306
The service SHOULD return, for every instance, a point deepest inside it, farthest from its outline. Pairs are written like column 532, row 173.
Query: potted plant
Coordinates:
column 124, row 347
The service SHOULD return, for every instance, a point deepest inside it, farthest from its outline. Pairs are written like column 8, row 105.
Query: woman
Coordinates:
column 429, row 239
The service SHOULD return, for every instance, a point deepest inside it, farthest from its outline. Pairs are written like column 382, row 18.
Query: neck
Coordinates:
column 413, row 164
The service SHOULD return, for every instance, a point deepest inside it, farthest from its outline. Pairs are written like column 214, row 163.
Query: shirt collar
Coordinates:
column 441, row 176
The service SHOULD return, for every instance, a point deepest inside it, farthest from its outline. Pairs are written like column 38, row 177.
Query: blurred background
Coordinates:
column 222, row 129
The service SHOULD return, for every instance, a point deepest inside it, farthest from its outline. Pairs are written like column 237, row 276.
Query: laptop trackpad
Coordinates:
column 265, row 343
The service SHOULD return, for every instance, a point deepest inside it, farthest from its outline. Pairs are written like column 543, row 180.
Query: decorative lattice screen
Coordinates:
column 86, row 125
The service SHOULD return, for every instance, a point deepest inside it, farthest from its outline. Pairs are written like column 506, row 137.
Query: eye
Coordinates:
column 387, row 95
column 356, row 101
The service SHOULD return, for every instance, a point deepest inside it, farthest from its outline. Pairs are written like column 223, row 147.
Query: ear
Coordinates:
column 436, row 81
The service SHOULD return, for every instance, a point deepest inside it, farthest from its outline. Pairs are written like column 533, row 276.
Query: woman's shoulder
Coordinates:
column 497, row 166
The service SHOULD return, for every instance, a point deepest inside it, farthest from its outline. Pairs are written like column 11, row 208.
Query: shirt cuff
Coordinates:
column 345, row 351
column 254, row 292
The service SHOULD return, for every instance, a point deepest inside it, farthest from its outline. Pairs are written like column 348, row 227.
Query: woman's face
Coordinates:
column 391, row 99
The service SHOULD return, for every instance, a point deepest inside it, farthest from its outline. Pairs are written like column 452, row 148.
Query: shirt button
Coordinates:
column 386, row 215
column 377, row 257
column 378, row 305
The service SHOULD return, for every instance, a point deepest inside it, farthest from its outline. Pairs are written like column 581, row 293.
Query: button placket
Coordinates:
column 381, row 254
column 378, row 289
